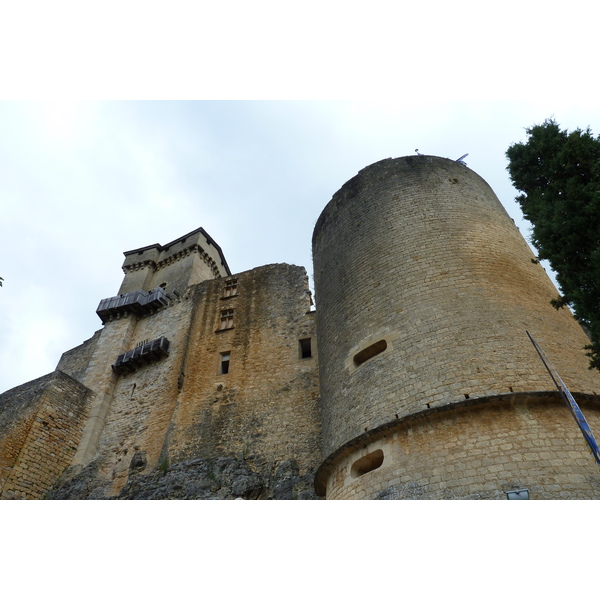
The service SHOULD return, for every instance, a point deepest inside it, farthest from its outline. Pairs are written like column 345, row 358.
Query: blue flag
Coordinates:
column 568, row 398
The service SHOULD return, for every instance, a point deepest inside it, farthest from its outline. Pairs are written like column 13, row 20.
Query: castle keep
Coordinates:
column 422, row 382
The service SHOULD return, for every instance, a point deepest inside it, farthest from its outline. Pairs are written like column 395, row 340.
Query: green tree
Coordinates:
column 558, row 174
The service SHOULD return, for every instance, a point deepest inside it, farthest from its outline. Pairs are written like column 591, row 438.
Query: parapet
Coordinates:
column 190, row 259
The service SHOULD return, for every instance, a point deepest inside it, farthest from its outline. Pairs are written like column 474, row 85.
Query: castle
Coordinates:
column 413, row 378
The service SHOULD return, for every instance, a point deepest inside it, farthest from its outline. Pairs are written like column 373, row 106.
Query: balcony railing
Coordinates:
column 146, row 353
column 138, row 302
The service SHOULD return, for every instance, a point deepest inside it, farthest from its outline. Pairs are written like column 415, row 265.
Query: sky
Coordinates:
column 133, row 125
column 83, row 181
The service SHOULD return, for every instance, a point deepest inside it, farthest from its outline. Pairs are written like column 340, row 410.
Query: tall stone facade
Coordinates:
column 201, row 384
column 423, row 384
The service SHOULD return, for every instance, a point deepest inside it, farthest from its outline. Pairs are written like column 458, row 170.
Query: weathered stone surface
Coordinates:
column 78, row 484
column 40, row 427
column 75, row 362
column 425, row 290
column 264, row 409
column 222, row 478
column 477, row 451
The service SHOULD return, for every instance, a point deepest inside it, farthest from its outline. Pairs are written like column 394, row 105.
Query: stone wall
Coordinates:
column 417, row 255
column 18, row 408
column 75, row 362
column 185, row 261
column 477, row 451
column 262, row 414
column 265, row 408
column 40, row 427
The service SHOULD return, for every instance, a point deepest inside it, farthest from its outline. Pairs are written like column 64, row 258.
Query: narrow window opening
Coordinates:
column 225, row 356
column 367, row 463
column 369, row 352
column 305, row 348
column 230, row 288
column 227, row 319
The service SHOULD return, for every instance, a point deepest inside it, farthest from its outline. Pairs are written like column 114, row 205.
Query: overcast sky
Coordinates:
column 82, row 182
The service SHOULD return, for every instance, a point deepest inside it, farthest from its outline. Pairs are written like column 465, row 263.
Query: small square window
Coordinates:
column 226, row 319
column 224, row 365
column 230, row 288
column 305, row 348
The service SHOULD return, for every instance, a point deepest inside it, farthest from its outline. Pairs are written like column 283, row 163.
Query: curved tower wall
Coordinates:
column 425, row 289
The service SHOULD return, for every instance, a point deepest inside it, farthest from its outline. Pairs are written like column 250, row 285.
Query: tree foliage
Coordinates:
column 558, row 175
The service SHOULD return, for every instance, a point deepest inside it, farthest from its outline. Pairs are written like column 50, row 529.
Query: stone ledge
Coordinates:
column 363, row 440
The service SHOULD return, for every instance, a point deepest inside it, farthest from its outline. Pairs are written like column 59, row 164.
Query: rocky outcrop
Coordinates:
column 223, row 478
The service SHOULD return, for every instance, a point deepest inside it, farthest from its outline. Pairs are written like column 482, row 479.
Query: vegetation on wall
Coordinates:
column 558, row 175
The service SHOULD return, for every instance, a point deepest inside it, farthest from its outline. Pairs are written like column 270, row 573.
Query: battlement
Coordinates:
column 190, row 259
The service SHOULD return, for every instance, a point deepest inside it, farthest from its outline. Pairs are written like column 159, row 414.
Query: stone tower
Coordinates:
column 200, row 384
column 430, row 387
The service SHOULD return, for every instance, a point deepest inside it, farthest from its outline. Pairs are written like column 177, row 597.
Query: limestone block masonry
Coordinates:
column 425, row 289
column 261, row 409
column 40, row 427
column 422, row 383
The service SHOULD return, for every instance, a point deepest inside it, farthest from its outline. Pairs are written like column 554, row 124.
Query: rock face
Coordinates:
column 223, row 478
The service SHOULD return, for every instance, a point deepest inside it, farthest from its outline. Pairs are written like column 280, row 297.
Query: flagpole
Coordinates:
column 568, row 398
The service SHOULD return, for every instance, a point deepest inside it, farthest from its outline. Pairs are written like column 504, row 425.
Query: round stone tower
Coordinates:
column 430, row 386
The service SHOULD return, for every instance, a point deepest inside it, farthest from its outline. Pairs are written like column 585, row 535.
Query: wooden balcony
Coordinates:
column 143, row 354
column 138, row 302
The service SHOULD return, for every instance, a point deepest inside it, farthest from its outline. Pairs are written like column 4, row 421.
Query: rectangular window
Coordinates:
column 305, row 348
column 230, row 288
column 226, row 319
column 224, row 367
